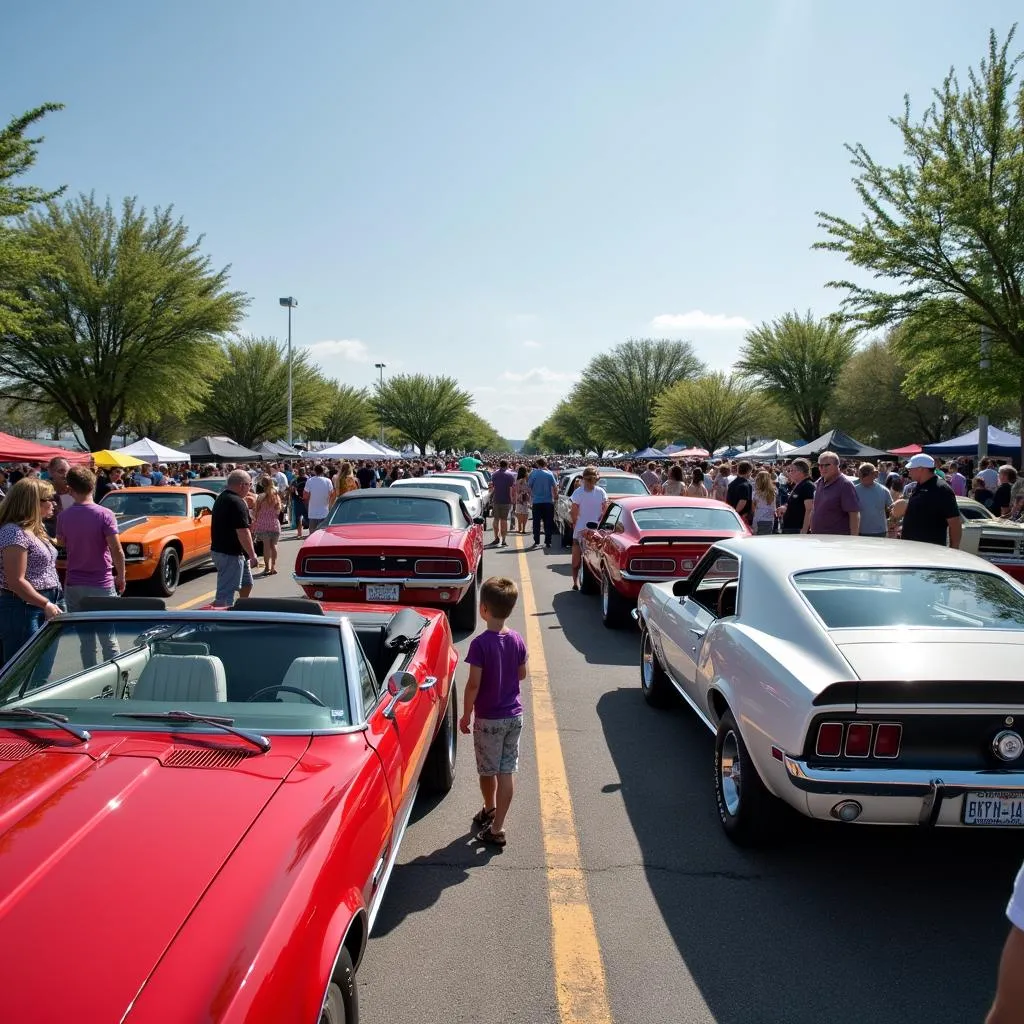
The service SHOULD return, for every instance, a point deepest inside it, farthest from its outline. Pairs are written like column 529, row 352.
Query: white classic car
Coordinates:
column 855, row 680
column 999, row 541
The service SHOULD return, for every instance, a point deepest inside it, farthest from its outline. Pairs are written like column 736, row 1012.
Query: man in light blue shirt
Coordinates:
column 875, row 502
column 544, row 493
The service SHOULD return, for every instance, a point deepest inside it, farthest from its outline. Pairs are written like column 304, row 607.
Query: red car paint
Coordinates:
column 201, row 893
column 609, row 550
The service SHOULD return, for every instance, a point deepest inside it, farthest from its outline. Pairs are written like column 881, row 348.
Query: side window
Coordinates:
column 367, row 682
column 573, row 484
column 201, row 502
column 715, row 588
column 611, row 518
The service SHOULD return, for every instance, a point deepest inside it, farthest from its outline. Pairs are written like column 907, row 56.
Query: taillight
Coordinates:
column 438, row 567
column 652, row 565
column 830, row 739
column 887, row 740
column 334, row 566
column 858, row 739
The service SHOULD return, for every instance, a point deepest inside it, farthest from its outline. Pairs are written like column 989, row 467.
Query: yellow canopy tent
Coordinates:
column 106, row 459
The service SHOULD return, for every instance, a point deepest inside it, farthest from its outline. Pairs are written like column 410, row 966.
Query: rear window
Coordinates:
column 392, row 509
column 886, row 597
column 686, row 518
column 622, row 485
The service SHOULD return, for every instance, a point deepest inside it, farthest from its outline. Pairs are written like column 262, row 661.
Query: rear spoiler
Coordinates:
column 683, row 540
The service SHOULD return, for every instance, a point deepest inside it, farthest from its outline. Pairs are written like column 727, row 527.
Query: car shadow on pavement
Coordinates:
column 837, row 923
column 579, row 615
column 417, row 885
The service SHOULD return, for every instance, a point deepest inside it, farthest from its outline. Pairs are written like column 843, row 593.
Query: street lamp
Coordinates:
column 381, row 366
column 290, row 302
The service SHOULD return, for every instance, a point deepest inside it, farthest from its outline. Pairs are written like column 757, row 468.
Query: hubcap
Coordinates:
column 647, row 663
column 729, row 771
column 605, row 599
column 169, row 572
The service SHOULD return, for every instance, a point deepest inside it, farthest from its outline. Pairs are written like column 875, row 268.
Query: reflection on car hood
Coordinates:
column 126, row 522
column 115, row 849
column 934, row 654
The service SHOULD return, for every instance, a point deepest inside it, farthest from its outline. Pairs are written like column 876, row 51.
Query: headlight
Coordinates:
column 133, row 550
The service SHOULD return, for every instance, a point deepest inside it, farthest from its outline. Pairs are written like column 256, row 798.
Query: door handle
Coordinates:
column 697, row 632
column 379, row 870
column 429, row 683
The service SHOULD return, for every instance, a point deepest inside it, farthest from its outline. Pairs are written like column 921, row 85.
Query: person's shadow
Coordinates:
column 418, row 884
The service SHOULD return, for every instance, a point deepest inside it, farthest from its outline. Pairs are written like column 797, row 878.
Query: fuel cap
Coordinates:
column 1008, row 745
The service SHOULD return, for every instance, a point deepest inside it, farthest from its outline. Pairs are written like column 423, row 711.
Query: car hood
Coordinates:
column 383, row 536
column 113, row 851
column 132, row 526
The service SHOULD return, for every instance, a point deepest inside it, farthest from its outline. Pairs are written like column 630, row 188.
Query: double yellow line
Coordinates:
column 580, row 984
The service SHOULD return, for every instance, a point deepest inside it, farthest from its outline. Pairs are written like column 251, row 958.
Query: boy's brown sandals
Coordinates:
column 483, row 817
column 491, row 838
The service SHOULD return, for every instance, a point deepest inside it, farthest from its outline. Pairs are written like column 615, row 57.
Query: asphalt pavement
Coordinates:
column 836, row 924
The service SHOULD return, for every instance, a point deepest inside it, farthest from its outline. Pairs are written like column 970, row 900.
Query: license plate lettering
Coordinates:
column 385, row 592
column 994, row 808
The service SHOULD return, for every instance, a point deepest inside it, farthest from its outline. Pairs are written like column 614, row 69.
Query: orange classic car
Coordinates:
column 162, row 531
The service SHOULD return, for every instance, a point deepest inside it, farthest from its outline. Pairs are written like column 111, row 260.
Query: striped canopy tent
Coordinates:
column 906, row 450
column 689, row 453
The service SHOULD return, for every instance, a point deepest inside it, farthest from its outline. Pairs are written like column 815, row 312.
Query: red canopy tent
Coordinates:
column 907, row 449
column 16, row 449
column 691, row 453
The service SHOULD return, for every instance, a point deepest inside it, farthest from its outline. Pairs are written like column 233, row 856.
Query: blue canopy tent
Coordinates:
column 999, row 443
column 648, row 453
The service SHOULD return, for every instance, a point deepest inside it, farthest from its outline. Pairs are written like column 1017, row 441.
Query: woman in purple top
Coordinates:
column 30, row 591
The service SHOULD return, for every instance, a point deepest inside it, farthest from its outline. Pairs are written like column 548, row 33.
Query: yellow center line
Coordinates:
column 201, row 599
column 580, row 984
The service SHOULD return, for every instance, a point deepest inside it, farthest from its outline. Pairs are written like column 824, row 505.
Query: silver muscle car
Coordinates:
column 852, row 679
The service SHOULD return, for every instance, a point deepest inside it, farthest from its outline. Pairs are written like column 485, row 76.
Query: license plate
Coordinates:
column 998, row 807
column 385, row 592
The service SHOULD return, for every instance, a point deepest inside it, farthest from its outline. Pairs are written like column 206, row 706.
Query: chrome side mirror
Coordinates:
column 403, row 687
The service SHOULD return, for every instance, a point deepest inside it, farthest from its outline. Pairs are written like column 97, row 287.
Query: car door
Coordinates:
column 202, row 515
column 697, row 612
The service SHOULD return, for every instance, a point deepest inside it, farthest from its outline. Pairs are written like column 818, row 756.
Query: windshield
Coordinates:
column 212, row 483
column 465, row 493
column 623, row 485
column 686, row 518
column 391, row 509
column 90, row 669
column 885, row 597
column 146, row 503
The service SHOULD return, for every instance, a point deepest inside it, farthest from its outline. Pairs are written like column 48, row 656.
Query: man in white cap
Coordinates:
column 932, row 512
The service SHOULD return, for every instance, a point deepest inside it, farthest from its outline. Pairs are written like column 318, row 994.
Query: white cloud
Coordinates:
column 532, row 344
column 351, row 349
column 698, row 320
column 539, row 376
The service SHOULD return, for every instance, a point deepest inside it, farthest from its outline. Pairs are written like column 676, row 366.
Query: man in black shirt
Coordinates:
column 932, row 510
column 740, row 493
column 796, row 518
column 233, row 551
column 1002, row 500
column 366, row 476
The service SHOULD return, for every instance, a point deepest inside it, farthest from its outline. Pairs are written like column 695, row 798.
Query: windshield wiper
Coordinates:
column 227, row 724
column 60, row 721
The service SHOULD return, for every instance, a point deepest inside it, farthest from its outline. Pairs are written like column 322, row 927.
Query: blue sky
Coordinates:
column 491, row 190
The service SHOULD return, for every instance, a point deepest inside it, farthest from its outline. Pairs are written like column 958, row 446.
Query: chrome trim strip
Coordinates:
column 636, row 577
column 896, row 782
column 399, row 834
column 350, row 649
column 420, row 582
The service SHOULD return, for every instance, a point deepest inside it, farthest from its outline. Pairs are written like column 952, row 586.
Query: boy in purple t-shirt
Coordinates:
column 497, row 665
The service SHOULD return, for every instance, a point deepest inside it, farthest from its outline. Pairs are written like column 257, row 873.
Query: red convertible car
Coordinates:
column 649, row 539
column 397, row 547
column 218, row 797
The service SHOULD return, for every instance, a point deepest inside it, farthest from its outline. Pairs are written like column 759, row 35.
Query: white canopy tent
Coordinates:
column 385, row 450
column 149, row 451
column 770, row 450
column 353, row 448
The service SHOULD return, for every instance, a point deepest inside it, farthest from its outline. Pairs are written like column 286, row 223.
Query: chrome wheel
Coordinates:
column 605, row 595
column 647, row 662
column 730, row 769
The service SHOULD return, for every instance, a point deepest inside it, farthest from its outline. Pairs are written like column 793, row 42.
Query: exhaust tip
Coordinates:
column 847, row 810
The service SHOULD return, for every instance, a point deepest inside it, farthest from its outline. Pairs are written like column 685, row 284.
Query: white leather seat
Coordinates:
column 323, row 677
column 182, row 677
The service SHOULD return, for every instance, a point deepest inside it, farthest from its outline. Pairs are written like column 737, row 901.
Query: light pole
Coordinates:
column 985, row 364
column 290, row 302
column 381, row 366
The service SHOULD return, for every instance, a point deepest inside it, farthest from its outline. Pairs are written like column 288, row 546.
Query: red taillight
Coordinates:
column 438, row 567
column 652, row 565
column 830, row 739
column 333, row 566
column 887, row 740
column 858, row 739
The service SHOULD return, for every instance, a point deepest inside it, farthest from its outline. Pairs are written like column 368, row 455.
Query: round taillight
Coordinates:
column 1008, row 745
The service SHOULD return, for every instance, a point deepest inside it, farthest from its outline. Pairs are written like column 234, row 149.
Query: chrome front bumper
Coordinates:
column 350, row 582
column 636, row 577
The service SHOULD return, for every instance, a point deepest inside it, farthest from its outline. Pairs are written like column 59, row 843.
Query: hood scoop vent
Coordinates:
column 191, row 757
column 18, row 750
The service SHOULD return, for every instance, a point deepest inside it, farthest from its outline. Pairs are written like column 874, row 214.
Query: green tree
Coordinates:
column 574, row 428
column 124, row 322
column 942, row 231
column 21, row 261
column 710, row 411
column 420, row 407
column 618, row 389
column 250, row 399
column 471, row 431
column 796, row 360
column 533, row 444
column 347, row 411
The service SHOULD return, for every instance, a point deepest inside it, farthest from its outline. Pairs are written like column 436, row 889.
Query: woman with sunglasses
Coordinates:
column 30, row 591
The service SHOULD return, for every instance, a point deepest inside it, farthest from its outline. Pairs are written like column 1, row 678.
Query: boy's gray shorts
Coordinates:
column 496, row 743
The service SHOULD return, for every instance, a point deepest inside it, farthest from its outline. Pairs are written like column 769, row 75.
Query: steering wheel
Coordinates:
column 311, row 697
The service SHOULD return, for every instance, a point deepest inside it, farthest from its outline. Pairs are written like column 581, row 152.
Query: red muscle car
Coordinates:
column 649, row 539
column 218, row 798
column 397, row 547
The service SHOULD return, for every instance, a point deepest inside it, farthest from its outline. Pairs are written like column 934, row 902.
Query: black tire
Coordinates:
column 341, row 1003
column 588, row 585
column 463, row 615
column 655, row 684
column 168, row 572
column 614, row 610
column 438, row 774
column 748, row 812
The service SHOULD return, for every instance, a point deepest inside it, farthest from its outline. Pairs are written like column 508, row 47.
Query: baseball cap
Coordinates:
column 921, row 461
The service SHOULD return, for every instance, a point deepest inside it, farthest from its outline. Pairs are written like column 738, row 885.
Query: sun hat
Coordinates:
column 921, row 461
